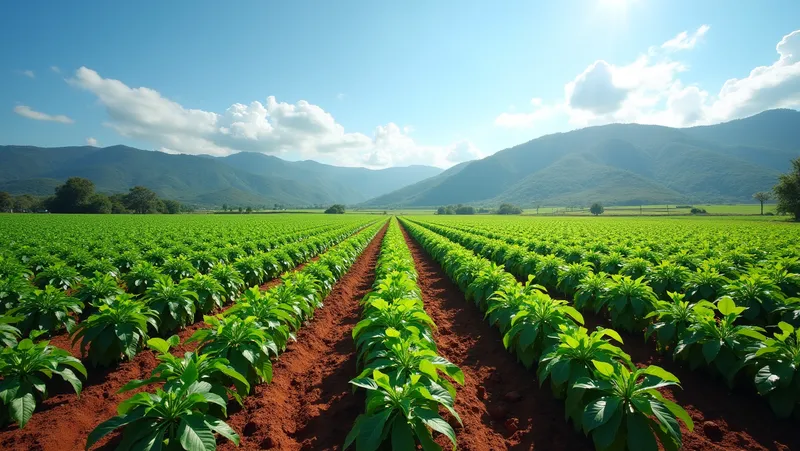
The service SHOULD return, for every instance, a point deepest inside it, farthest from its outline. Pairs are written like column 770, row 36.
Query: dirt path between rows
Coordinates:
column 309, row 404
column 501, row 404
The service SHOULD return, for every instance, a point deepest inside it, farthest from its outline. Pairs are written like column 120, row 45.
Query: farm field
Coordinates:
column 313, row 331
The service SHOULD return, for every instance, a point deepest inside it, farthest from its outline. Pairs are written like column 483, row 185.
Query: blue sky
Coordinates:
column 379, row 83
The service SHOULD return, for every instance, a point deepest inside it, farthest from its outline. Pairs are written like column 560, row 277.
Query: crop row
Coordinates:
column 120, row 323
column 401, row 371
column 615, row 403
column 703, row 321
column 38, row 266
column 234, row 354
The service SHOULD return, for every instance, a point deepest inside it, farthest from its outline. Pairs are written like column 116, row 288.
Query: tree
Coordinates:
column 248, row 210
column 441, row 211
column 98, row 203
column 762, row 197
column 509, row 209
column 597, row 208
column 24, row 203
column 224, row 207
column 335, row 209
column 172, row 207
column 465, row 210
column 240, row 209
column 787, row 191
column 118, row 204
column 73, row 196
column 6, row 203
column 141, row 200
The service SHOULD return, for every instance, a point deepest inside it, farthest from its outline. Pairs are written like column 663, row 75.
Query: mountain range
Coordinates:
column 617, row 164
column 239, row 179
column 621, row 164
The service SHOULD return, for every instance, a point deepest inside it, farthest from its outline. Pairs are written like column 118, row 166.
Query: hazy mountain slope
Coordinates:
column 410, row 192
column 182, row 177
column 270, row 166
column 624, row 164
column 349, row 184
column 775, row 129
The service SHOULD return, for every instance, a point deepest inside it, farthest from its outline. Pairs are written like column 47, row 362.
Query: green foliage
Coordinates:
column 625, row 410
column 174, row 303
column 241, row 342
column 25, row 368
column 179, row 418
column 59, row 275
column 337, row 209
column 629, row 301
column 776, row 361
column 509, row 209
column 173, row 370
column 46, row 310
column 597, row 209
column 718, row 342
column 118, row 330
column 787, row 191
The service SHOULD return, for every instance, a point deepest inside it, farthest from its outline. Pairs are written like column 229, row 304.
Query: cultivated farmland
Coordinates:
column 311, row 331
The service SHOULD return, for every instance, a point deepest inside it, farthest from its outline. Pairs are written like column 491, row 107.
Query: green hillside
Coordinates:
column 622, row 164
column 241, row 179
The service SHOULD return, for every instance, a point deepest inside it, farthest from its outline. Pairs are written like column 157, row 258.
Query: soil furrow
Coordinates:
column 309, row 404
column 501, row 404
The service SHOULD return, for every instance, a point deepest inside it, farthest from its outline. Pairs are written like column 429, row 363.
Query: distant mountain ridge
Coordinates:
column 622, row 164
column 239, row 179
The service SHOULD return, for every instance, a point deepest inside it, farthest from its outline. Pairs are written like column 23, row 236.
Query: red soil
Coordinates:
column 501, row 404
column 309, row 404
column 63, row 421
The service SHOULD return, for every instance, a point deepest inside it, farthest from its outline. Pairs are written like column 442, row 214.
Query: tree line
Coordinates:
column 459, row 209
column 77, row 195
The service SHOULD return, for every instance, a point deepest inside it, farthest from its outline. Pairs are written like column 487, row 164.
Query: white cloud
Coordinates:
column 774, row 86
column 26, row 111
column 594, row 90
column 683, row 41
column 91, row 142
column 299, row 130
column 28, row 73
column 340, row 96
column 55, row 69
column 650, row 91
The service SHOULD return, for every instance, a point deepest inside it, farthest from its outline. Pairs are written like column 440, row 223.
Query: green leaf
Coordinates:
column 603, row 436
column 640, row 437
column 726, row 306
column 222, row 428
column 426, row 367
column 604, row 368
column 435, row 422
column 599, row 412
column 158, row 344
column 613, row 334
column 661, row 373
column 111, row 424
column 21, row 408
column 194, row 433
column 711, row 349
column 402, row 435
column 371, row 431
